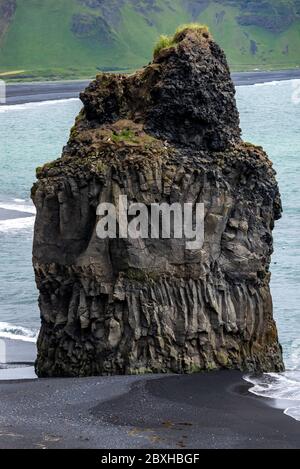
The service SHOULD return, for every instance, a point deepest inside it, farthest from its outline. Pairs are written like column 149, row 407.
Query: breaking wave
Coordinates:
column 10, row 331
column 280, row 386
column 33, row 105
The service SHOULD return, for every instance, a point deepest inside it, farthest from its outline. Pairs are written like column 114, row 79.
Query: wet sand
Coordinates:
column 20, row 93
column 205, row 410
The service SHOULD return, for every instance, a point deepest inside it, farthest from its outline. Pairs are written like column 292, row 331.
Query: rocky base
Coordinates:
column 172, row 325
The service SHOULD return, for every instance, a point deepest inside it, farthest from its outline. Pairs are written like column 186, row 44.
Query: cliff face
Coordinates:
column 169, row 133
column 7, row 10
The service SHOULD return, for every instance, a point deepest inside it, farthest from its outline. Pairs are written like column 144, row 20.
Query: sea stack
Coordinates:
column 167, row 134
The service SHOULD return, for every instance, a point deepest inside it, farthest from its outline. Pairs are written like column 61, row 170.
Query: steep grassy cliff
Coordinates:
column 75, row 38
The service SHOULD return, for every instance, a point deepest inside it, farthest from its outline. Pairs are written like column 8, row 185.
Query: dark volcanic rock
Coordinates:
column 271, row 23
column 169, row 133
column 196, row 7
column 7, row 11
column 8, row 8
column 185, row 97
column 85, row 26
column 267, row 14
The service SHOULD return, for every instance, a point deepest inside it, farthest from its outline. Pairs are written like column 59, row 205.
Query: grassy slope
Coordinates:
column 40, row 41
column 235, row 39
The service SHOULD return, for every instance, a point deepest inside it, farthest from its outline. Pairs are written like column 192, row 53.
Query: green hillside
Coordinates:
column 76, row 38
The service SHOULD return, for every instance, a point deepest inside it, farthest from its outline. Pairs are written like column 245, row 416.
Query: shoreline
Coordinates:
column 23, row 93
column 17, row 359
column 204, row 410
column 11, row 214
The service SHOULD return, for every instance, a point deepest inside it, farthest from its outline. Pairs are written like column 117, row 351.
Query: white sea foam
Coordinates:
column 19, row 205
column 21, row 223
column 33, row 105
column 16, row 224
column 10, row 331
column 280, row 386
column 278, row 82
column 293, row 412
column 273, row 83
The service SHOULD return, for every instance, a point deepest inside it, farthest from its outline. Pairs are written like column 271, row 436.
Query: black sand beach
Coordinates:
column 251, row 78
column 205, row 410
column 20, row 93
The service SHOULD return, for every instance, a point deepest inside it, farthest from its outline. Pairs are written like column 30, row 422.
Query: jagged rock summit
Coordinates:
column 168, row 133
column 185, row 96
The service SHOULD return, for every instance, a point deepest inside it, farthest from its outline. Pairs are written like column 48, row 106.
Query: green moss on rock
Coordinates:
column 164, row 41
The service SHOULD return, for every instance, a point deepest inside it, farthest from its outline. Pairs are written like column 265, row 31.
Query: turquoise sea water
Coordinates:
column 30, row 135
column 33, row 134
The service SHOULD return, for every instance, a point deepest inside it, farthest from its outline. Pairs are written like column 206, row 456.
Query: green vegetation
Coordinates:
column 139, row 275
column 200, row 28
column 40, row 169
column 68, row 39
column 101, row 167
column 165, row 42
column 132, row 136
column 124, row 135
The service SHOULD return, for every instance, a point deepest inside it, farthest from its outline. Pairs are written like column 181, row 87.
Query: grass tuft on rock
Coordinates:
column 164, row 41
column 125, row 134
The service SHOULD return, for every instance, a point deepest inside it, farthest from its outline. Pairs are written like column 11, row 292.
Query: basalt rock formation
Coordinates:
column 169, row 133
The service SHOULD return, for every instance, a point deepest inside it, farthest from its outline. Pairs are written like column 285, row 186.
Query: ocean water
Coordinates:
column 33, row 134
column 30, row 135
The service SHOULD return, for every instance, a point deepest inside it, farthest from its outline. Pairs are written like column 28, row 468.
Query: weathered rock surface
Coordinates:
column 7, row 10
column 88, row 26
column 169, row 133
